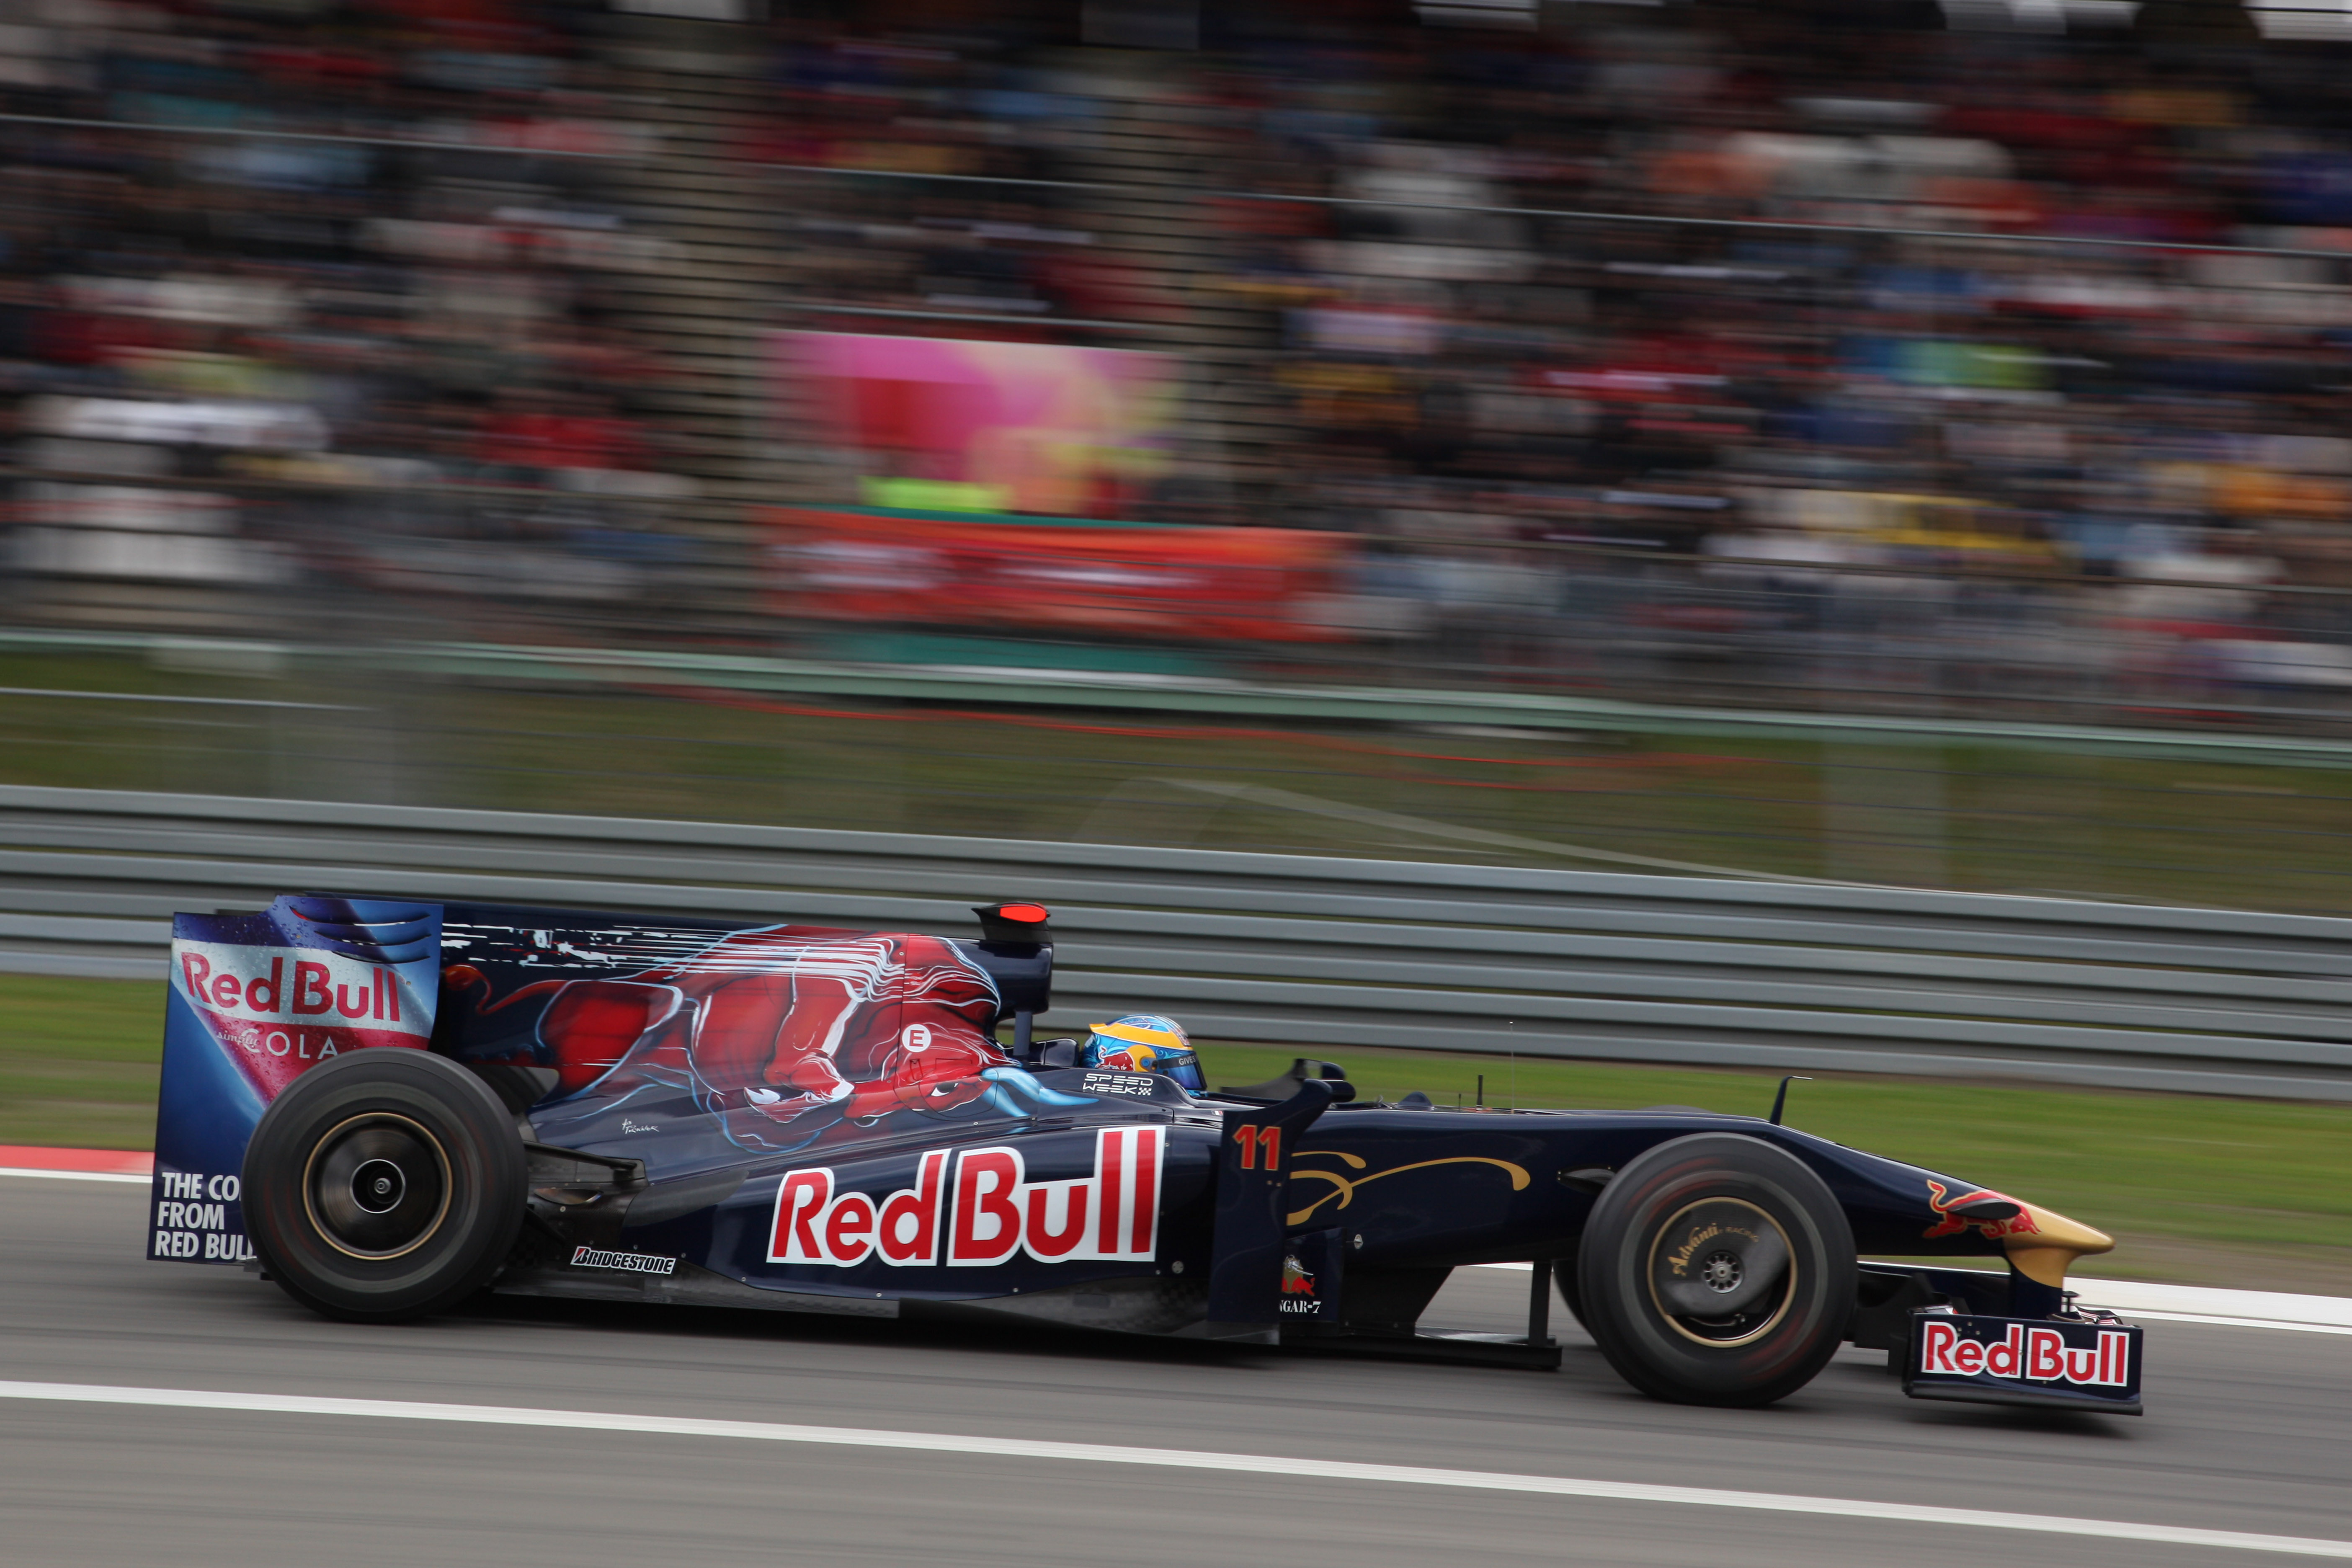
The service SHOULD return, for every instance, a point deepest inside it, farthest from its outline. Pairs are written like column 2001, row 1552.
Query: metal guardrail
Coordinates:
column 560, row 666
column 1319, row 952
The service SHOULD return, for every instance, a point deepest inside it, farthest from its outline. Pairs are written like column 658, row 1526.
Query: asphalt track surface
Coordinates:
column 2246, row 1432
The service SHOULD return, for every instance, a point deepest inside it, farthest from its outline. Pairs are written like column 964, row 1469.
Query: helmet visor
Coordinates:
column 1178, row 1064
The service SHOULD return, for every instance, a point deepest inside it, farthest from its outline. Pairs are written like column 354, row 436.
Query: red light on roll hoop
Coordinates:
column 1026, row 914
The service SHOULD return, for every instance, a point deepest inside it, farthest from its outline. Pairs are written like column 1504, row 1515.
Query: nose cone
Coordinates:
column 2042, row 1245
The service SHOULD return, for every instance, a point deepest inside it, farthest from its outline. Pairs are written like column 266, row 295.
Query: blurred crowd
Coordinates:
column 395, row 280
column 1759, row 420
column 1858, row 342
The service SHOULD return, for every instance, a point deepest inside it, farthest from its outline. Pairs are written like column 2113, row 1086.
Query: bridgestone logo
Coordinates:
column 626, row 1262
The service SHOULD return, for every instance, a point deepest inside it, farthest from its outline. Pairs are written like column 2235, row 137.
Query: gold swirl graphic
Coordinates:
column 1344, row 1187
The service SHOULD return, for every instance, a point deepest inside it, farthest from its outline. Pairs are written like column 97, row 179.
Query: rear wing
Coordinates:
column 540, row 1003
column 255, row 999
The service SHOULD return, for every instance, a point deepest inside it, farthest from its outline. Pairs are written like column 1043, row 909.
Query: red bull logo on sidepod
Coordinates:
column 995, row 1211
column 2034, row 1355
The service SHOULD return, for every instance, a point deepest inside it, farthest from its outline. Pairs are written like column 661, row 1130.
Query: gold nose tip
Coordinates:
column 2045, row 1252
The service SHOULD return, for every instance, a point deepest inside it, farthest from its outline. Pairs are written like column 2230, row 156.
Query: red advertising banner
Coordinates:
column 1156, row 582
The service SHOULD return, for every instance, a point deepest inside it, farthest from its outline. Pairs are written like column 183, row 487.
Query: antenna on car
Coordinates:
column 1780, row 1100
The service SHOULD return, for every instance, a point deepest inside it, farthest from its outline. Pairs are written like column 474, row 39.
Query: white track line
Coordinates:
column 2194, row 1304
column 999, row 1448
column 76, row 1175
column 2135, row 1313
column 2139, row 1299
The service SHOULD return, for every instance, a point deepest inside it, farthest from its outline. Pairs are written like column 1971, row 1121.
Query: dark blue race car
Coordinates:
column 387, row 1106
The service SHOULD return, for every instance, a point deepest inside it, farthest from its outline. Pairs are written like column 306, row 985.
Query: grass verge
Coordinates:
column 2256, row 1194
column 79, row 1061
column 1991, row 819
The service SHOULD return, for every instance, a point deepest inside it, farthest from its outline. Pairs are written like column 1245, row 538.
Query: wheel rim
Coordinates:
column 377, row 1185
column 1722, row 1272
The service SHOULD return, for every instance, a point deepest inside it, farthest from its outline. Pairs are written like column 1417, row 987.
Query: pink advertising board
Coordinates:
column 951, row 424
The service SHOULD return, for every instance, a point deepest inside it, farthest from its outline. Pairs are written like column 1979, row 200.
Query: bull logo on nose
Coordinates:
column 1997, row 1214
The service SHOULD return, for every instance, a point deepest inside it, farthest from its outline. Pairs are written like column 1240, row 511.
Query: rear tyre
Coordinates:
column 385, row 1183
column 1717, row 1270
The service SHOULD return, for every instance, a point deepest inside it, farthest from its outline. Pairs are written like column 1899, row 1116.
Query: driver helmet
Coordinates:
column 1145, row 1042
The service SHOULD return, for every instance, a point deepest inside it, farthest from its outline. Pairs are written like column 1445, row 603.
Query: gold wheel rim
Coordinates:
column 309, row 1172
column 1674, row 1320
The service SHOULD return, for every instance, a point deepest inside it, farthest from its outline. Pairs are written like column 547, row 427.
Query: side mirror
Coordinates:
column 1302, row 1071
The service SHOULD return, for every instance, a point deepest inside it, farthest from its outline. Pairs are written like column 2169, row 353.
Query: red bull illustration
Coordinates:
column 779, row 1033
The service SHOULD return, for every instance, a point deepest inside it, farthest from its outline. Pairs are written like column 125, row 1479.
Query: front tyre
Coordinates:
column 385, row 1183
column 1717, row 1270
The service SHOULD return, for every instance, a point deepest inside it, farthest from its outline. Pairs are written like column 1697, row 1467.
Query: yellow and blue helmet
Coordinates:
column 1145, row 1042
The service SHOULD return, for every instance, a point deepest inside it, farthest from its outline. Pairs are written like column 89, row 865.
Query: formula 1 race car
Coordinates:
column 387, row 1106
